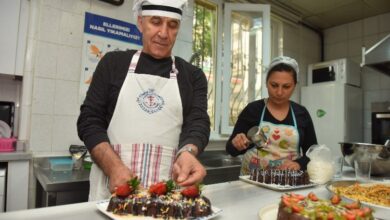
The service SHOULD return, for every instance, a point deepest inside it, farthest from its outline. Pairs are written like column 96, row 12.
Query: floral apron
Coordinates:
column 283, row 143
column 145, row 128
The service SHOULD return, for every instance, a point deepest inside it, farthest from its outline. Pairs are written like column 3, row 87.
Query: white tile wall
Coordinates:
column 41, row 133
column 72, row 27
column 49, row 24
column 355, row 29
column 361, row 33
column 66, row 98
column 56, row 66
column 46, row 60
column 384, row 26
column 69, row 63
column 64, row 133
column 43, row 96
column 371, row 26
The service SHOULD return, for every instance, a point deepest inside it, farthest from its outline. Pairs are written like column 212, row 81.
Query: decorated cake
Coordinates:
column 280, row 177
column 159, row 201
column 298, row 207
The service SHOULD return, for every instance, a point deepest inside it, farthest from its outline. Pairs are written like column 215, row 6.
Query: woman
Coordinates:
column 286, row 124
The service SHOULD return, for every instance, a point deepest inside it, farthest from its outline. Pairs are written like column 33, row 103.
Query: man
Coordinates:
column 145, row 113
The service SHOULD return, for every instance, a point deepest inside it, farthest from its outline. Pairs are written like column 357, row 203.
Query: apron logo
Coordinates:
column 150, row 102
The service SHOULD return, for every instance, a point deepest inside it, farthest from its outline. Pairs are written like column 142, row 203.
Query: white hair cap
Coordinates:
column 285, row 60
column 165, row 8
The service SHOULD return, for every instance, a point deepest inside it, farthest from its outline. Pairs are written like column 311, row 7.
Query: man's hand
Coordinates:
column 187, row 170
column 119, row 176
column 111, row 164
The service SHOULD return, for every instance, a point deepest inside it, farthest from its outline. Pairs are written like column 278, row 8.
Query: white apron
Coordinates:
column 283, row 143
column 144, row 129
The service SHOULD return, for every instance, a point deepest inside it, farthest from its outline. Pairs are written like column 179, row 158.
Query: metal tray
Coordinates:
column 276, row 186
column 379, row 210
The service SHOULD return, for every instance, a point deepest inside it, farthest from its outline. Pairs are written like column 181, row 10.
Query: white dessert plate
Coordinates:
column 102, row 206
column 275, row 186
column 269, row 212
column 5, row 130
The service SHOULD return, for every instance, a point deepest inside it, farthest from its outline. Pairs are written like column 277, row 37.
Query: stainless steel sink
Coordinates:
column 220, row 167
column 222, row 162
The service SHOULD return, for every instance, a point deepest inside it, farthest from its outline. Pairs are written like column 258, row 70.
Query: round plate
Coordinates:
column 5, row 130
column 269, row 212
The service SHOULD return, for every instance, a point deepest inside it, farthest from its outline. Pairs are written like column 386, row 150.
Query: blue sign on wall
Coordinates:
column 112, row 28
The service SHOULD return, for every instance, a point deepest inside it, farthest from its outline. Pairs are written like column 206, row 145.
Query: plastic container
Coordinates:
column 7, row 144
column 61, row 164
column 87, row 164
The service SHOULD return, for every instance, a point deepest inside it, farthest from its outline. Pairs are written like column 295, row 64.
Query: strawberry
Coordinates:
column 162, row 188
column 298, row 196
column 127, row 188
column 191, row 191
column 158, row 188
column 297, row 208
column 367, row 211
column 330, row 216
column 123, row 190
column 335, row 199
column 312, row 196
column 354, row 205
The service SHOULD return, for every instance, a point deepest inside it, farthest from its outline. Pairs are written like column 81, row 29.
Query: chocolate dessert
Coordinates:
column 280, row 177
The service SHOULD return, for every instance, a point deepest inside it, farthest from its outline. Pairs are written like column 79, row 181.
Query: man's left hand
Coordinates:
column 187, row 170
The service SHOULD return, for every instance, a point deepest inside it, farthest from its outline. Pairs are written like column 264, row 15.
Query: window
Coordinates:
column 236, row 79
column 204, row 47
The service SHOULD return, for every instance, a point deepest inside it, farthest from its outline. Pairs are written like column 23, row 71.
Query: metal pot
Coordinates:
column 379, row 155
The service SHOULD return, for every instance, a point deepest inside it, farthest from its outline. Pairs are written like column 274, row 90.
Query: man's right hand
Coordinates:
column 111, row 164
column 119, row 176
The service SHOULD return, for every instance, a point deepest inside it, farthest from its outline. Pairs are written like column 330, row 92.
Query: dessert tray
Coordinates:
column 379, row 210
column 275, row 186
column 269, row 212
column 102, row 206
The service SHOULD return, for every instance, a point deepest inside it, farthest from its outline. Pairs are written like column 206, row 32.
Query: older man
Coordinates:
column 145, row 113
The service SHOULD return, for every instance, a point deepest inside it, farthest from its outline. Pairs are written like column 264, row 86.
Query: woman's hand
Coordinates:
column 289, row 165
column 240, row 142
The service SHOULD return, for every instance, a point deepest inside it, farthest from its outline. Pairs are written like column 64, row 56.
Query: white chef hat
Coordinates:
column 166, row 8
column 285, row 60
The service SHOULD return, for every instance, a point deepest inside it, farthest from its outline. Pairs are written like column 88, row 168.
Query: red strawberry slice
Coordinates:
column 123, row 190
column 335, row 199
column 191, row 191
column 312, row 197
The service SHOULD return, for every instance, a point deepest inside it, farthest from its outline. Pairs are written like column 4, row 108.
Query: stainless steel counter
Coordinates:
column 16, row 155
column 61, row 180
column 237, row 199
column 60, row 187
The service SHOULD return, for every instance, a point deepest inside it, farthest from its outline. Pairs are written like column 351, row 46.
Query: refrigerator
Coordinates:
column 337, row 113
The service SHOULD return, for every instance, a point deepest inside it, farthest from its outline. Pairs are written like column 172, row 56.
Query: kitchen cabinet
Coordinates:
column 13, row 35
column 17, row 167
column 59, row 187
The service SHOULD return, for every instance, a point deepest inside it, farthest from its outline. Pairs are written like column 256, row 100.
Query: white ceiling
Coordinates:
column 323, row 14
